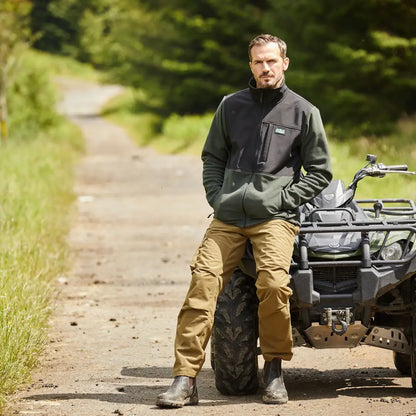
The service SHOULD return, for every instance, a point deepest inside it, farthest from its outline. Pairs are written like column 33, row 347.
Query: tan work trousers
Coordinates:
column 212, row 266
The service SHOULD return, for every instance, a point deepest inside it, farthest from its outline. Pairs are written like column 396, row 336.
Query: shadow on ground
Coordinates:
column 303, row 384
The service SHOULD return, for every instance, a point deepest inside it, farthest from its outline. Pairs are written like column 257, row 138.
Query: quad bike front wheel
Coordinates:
column 234, row 338
column 402, row 362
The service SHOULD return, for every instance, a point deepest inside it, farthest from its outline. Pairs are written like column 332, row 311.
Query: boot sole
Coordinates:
column 275, row 401
column 169, row 404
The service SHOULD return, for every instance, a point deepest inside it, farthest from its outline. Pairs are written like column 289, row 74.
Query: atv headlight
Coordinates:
column 392, row 252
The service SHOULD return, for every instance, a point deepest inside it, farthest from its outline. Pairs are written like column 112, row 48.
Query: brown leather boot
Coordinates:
column 275, row 390
column 182, row 392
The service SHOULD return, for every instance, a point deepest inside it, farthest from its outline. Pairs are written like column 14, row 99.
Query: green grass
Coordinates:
column 172, row 135
column 187, row 134
column 398, row 148
column 65, row 66
column 36, row 200
column 35, row 212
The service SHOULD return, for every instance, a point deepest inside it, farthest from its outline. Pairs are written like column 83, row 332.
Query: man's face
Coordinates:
column 267, row 65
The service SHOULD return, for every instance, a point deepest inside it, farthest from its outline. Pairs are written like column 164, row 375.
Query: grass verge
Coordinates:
column 36, row 198
column 173, row 135
column 65, row 66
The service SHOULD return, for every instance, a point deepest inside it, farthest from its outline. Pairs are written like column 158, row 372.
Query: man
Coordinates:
column 259, row 140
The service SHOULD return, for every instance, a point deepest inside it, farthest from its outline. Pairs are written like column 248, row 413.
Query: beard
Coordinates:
column 267, row 81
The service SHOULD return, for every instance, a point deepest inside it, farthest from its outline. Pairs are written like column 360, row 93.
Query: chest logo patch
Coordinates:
column 280, row 131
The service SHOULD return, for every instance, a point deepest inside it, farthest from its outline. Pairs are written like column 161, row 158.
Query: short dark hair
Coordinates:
column 264, row 39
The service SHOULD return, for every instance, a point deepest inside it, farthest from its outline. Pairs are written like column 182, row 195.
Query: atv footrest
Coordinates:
column 388, row 338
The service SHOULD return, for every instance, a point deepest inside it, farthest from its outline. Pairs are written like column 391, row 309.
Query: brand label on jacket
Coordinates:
column 280, row 131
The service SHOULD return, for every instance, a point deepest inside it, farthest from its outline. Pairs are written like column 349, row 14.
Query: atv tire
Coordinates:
column 402, row 362
column 234, row 341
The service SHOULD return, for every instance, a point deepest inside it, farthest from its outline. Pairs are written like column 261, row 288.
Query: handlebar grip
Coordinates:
column 397, row 167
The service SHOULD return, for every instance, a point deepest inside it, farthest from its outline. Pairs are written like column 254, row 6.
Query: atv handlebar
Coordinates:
column 401, row 168
column 380, row 169
column 376, row 170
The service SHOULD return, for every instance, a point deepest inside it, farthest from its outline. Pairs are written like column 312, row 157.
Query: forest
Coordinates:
column 354, row 59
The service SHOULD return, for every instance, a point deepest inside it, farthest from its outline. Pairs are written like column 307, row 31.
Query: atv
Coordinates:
column 353, row 276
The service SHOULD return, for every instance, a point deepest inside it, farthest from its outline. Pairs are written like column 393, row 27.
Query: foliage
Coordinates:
column 32, row 99
column 60, row 25
column 180, row 50
column 200, row 55
column 56, row 22
column 36, row 196
column 64, row 66
column 14, row 26
column 14, row 36
column 14, row 29
column 354, row 59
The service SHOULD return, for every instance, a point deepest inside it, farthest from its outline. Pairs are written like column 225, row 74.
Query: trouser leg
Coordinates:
column 273, row 248
column 214, row 262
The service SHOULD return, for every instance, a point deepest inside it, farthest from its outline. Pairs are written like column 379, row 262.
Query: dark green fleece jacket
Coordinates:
column 258, row 144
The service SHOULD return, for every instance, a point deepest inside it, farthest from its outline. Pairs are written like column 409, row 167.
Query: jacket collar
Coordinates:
column 266, row 95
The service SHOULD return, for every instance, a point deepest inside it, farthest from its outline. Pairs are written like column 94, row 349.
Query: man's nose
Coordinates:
column 266, row 67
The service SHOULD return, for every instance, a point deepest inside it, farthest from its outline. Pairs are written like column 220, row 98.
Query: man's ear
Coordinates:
column 285, row 64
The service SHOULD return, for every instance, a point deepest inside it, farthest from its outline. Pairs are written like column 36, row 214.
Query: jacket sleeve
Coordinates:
column 215, row 155
column 315, row 158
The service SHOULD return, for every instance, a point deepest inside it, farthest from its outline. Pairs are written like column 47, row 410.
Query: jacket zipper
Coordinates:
column 264, row 138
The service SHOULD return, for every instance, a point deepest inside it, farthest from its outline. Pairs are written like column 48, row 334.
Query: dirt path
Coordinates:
column 140, row 217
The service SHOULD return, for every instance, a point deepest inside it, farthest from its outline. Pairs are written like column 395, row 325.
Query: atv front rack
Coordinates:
column 366, row 228
column 388, row 206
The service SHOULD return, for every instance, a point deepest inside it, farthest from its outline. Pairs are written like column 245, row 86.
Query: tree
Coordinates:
column 14, row 36
column 185, row 54
column 354, row 59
